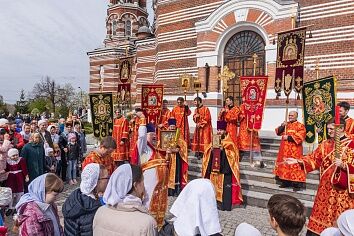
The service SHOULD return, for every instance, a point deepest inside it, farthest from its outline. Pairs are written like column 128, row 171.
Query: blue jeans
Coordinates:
column 71, row 171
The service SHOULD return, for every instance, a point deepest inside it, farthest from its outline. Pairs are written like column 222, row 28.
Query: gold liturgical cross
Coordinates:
column 225, row 76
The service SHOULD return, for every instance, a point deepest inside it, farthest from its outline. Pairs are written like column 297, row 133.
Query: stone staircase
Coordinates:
column 258, row 185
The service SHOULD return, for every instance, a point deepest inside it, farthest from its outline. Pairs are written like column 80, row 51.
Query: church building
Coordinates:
column 200, row 37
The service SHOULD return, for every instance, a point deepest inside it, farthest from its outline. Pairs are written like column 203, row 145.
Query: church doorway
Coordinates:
column 238, row 57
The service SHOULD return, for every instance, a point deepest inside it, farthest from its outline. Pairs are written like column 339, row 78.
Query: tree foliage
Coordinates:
column 3, row 106
column 57, row 96
column 22, row 104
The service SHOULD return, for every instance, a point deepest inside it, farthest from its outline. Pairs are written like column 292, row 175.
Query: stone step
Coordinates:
column 270, row 146
column 258, row 199
column 304, row 194
column 269, row 178
column 244, row 165
column 274, row 140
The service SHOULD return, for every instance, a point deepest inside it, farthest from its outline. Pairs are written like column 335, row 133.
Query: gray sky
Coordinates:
column 46, row 37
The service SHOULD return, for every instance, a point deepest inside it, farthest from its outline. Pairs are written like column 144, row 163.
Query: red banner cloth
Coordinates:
column 151, row 101
column 254, row 90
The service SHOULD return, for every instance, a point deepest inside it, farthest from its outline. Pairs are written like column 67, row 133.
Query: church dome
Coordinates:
column 144, row 29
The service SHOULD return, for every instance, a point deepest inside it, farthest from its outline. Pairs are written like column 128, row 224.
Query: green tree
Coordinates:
column 22, row 104
column 3, row 106
column 38, row 105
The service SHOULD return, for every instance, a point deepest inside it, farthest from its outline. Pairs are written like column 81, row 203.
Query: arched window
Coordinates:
column 114, row 27
column 238, row 57
column 128, row 28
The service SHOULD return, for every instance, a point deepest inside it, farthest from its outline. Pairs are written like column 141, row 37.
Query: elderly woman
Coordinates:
column 37, row 212
column 81, row 205
column 124, row 212
column 33, row 153
column 195, row 211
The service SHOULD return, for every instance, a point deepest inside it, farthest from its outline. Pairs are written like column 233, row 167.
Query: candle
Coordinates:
column 337, row 116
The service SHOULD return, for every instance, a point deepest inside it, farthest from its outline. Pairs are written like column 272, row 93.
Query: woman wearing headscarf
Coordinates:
column 195, row 211
column 246, row 229
column 124, row 213
column 37, row 213
column 80, row 207
column 345, row 224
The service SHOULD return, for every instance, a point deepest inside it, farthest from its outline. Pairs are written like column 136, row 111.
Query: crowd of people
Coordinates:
column 30, row 147
column 130, row 175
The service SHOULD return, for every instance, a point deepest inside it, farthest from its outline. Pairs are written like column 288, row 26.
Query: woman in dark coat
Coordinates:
column 80, row 207
column 33, row 153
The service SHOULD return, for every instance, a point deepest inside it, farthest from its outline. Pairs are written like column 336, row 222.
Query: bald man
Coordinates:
column 292, row 134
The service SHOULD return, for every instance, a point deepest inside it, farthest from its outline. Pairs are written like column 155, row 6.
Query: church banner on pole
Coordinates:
column 151, row 101
column 102, row 114
column 254, row 90
column 319, row 101
column 290, row 60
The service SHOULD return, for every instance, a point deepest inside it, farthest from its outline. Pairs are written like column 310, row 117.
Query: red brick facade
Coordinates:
column 188, row 34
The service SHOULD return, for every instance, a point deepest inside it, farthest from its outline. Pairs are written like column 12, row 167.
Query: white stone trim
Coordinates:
column 274, row 9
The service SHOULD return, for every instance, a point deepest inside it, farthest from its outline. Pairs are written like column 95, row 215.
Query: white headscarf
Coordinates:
column 331, row 232
column 195, row 210
column 119, row 185
column 48, row 150
column 246, row 229
column 345, row 223
column 89, row 178
column 50, row 127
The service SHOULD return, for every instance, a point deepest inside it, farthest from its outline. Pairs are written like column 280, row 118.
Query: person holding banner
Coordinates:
column 344, row 108
column 230, row 114
column 292, row 134
column 335, row 160
column 155, row 170
column 121, row 135
column 164, row 116
column 204, row 131
column 248, row 138
column 221, row 166
column 133, row 136
column 178, row 165
column 181, row 113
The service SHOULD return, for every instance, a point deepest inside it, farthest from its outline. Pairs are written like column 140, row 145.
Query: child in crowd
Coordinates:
column 57, row 155
column 72, row 157
column 53, row 133
column 287, row 214
column 17, row 175
column 50, row 160
column 26, row 132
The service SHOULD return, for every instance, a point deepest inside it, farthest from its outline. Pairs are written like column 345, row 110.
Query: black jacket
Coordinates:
column 79, row 211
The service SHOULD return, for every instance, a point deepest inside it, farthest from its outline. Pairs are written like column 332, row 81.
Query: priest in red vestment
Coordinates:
column 155, row 170
column 133, row 137
column 162, row 122
column 203, row 131
column 181, row 113
column 102, row 155
column 335, row 192
column 230, row 114
column 221, row 165
column 344, row 108
column 178, row 164
column 293, row 133
column 121, row 135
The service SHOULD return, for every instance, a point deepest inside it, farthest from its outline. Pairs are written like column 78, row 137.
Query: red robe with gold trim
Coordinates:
column 121, row 134
column 292, row 147
column 133, row 153
column 349, row 126
column 203, row 133
column 181, row 116
column 217, row 177
column 163, row 120
column 183, row 155
column 330, row 201
column 94, row 157
column 244, row 139
column 231, row 117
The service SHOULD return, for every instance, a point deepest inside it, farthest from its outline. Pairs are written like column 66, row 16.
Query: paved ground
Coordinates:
column 229, row 220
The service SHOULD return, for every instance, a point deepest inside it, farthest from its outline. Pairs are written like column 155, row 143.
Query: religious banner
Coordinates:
column 289, row 72
column 151, row 101
column 253, row 91
column 102, row 114
column 125, row 71
column 319, row 100
column 124, row 93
